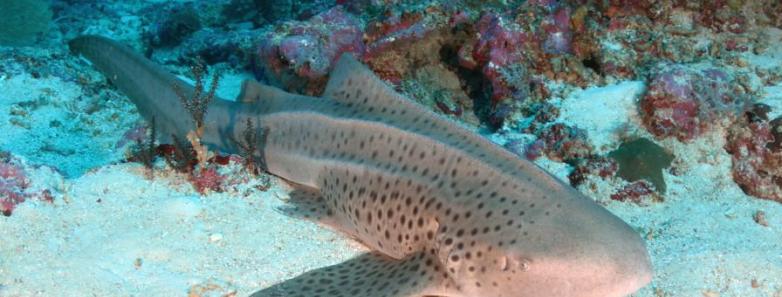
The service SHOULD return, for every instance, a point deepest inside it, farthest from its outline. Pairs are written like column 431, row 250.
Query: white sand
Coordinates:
column 603, row 111
column 115, row 233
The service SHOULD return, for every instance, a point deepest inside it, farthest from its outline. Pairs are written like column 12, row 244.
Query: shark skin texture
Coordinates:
column 444, row 211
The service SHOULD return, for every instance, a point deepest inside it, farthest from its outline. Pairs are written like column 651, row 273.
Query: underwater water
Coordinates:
column 668, row 114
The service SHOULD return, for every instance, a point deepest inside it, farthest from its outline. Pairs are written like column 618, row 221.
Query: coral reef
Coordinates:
column 594, row 166
column 298, row 55
column 13, row 182
column 564, row 143
column 637, row 192
column 15, row 185
column 500, row 44
column 755, row 144
column 683, row 102
column 503, row 65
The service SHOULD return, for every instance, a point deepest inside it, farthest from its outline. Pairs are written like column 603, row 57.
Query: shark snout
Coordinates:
column 587, row 253
column 611, row 251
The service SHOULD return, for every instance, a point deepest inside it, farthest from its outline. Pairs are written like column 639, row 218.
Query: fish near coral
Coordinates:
column 444, row 211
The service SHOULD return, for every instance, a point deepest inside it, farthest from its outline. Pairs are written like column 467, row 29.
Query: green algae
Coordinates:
column 642, row 159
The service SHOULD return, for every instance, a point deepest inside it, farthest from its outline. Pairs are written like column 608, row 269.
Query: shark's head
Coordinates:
column 586, row 251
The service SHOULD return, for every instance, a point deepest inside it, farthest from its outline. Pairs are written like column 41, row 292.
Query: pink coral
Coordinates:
column 207, row 179
column 397, row 28
column 15, row 185
column 565, row 143
column 635, row 192
column 670, row 106
column 683, row 102
column 309, row 49
column 594, row 166
column 755, row 145
column 500, row 44
column 558, row 34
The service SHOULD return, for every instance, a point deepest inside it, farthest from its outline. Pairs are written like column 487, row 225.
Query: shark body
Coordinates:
column 445, row 211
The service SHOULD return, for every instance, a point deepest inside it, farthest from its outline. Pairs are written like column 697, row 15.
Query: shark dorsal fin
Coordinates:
column 352, row 82
column 254, row 91
column 251, row 91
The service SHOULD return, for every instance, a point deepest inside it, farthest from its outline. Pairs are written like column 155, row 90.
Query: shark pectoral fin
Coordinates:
column 307, row 203
column 371, row 274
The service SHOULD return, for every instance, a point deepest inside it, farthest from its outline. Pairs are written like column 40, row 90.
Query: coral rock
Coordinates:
column 636, row 192
column 13, row 183
column 400, row 43
column 565, row 143
column 207, row 179
column 558, row 35
column 15, row 186
column 756, row 150
column 175, row 27
column 500, row 44
column 596, row 166
column 683, row 102
column 306, row 51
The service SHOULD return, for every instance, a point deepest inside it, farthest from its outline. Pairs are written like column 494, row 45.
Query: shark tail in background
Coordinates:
column 150, row 87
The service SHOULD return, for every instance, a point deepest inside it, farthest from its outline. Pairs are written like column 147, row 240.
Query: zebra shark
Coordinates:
column 444, row 211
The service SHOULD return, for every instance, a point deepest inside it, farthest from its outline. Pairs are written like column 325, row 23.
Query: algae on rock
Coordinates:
column 642, row 159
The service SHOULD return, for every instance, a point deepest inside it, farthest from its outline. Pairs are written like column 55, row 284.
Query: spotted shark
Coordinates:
column 444, row 211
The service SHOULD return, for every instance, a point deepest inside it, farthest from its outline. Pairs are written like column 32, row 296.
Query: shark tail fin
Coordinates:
column 155, row 92
column 369, row 274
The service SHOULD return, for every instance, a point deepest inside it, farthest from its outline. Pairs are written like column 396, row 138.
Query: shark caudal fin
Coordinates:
column 151, row 88
column 367, row 275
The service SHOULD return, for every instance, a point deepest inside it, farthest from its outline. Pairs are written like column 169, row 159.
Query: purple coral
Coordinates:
column 670, row 106
column 558, row 35
column 207, row 179
column 565, row 143
column 755, row 145
column 499, row 45
column 308, row 49
column 682, row 102
column 636, row 192
column 15, row 185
